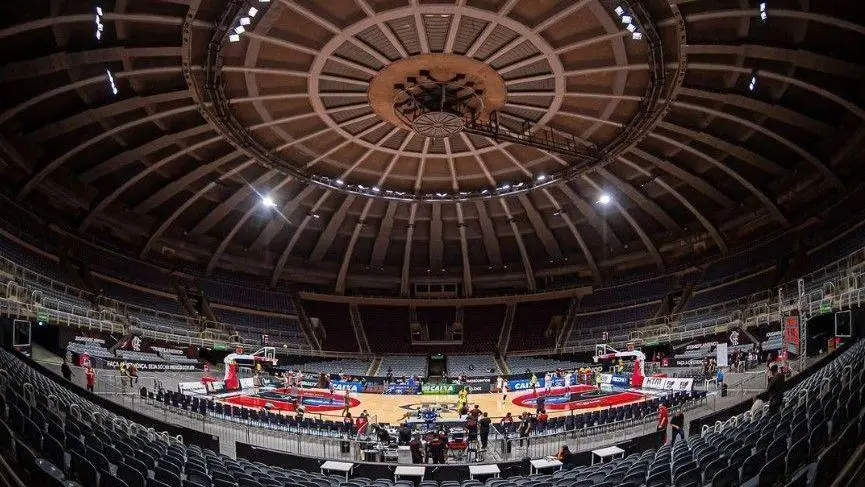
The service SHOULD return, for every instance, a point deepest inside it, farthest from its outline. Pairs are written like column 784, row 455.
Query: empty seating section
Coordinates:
column 617, row 323
column 90, row 348
column 255, row 323
column 136, row 356
column 118, row 266
column 49, row 293
column 336, row 320
column 745, row 262
column 386, row 321
column 636, row 292
column 341, row 366
column 481, row 326
column 248, row 293
column 729, row 291
column 813, row 440
column 141, row 299
column 519, row 365
column 31, row 260
column 471, row 365
column 844, row 245
column 403, row 365
column 531, row 320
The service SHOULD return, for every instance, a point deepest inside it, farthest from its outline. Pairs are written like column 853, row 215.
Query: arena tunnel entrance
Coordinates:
column 436, row 366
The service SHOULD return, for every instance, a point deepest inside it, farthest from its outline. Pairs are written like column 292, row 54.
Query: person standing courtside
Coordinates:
column 678, row 426
column 66, row 370
column 91, row 377
column 484, row 427
column 775, row 389
column 663, row 419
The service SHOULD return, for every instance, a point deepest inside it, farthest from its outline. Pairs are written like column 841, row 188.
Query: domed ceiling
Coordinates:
column 372, row 144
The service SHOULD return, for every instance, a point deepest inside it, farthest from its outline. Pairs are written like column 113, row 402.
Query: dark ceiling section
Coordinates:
column 148, row 170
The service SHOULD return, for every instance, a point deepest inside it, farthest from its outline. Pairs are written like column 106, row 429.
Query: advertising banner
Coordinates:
column 400, row 389
column 439, row 389
column 620, row 380
column 523, row 384
column 147, row 366
column 351, row 386
column 721, row 355
column 668, row 384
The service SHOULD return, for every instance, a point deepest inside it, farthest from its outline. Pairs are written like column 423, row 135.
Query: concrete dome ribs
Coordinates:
column 464, row 142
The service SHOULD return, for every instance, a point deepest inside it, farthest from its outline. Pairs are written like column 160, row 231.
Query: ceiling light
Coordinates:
column 99, row 11
column 753, row 84
column 542, row 177
column 263, row 1
column 245, row 21
column 268, row 201
column 485, row 191
column 340, row 182
column 627, row 19
column 637, row 36
column 620, row 11
column 234, row 38
column 239, row 29
column 505, row 187
column 111, row 82
column 253, row 11
column 376, row 189
column 632, row 27
column 605, row 199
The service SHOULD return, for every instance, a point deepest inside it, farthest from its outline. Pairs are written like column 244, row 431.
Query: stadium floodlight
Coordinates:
column 253, row 11
column 605, row 199
column 268, row 202
column 239, row 29
column 111, row 83
column 620, row 11
column 632, row 28
column 234, row 38
column 627, row 19
column 637, row 36
column 245, row 21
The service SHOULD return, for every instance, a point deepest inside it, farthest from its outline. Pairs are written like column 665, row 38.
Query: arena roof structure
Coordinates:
column 370, row 144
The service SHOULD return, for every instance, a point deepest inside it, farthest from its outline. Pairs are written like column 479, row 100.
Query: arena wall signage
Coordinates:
column 668, row 384
column 523, row 384
column 143, row 366
column 341, row 385
column 440, row 389
column 400, row 389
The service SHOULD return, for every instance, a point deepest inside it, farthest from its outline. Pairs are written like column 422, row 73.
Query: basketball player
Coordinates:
column 346, row 403
column 463, row 399
column 568, row 378
column 504, row 392
column 548, row 381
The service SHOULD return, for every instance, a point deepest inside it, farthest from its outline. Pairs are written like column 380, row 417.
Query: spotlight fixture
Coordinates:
column 620, row 11
column 239, row 29
column 99, row 25
column 234, row 38
column 542, row 177
column 253, row 11
column 627, row 19
column 605, row 199
column 245, row 21
column 268, row 202
column 752, row 85
column 111, row 83
column 764, row 13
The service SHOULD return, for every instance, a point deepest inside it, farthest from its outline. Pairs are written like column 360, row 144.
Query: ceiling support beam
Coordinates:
column 527, row 263
column 644, row 237
column 283, row 258
column 590, row 260
column 436, row 243
column 647, row 205
column 759, row 194
column 382, row 240
column 468, row 289
column 406, row 255
column 595, row 220
column 713, row 232
column 491, row 242
column 346, row 260
column 254, row 206
column 161, row 229
column 694, row 181
column 541, row 229
column 326, row 239
column 229, row 204
column 274, row 226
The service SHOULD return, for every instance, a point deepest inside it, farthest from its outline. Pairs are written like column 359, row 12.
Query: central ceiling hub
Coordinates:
column 436, row 95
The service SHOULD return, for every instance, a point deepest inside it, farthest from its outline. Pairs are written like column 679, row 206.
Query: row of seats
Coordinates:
column 57, row 436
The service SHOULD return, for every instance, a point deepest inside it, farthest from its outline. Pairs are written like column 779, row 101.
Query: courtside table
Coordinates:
column 409, row 471
column 543, row 463
column 608, row 452
column 475, row 470
column 342, row 467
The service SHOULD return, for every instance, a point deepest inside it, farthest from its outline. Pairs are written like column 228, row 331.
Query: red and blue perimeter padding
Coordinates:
column 282, row 400
column 577, row 397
